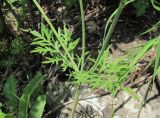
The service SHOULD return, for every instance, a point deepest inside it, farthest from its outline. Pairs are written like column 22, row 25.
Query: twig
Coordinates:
column 30, row 10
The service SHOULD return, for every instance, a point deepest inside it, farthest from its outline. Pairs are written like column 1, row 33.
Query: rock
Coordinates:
column 124, row 105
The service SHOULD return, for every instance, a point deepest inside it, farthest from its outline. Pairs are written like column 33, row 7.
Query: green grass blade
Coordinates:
column 144, row 50
column 131, row 92
column 154, row 27
column 157, row 60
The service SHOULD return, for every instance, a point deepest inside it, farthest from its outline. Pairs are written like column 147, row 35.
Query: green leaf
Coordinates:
column 46, row 45
column 131, row 92
column 16, row 46
column 73, row 44
column 141, row 6
column 11, row 2
column 3, row 115
column 37, row 34
column 10, row 90
column 37, row 109
column 28, row 90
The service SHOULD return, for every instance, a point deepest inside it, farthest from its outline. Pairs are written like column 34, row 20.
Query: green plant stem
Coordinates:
column 108, row 23
column 75, row 67
column 83, row 33
column 76, row 101
column 110, row 31
column 83, row 56
column 113, row 108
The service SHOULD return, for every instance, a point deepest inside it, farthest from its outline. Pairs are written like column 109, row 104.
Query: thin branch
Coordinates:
column 30, row 10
